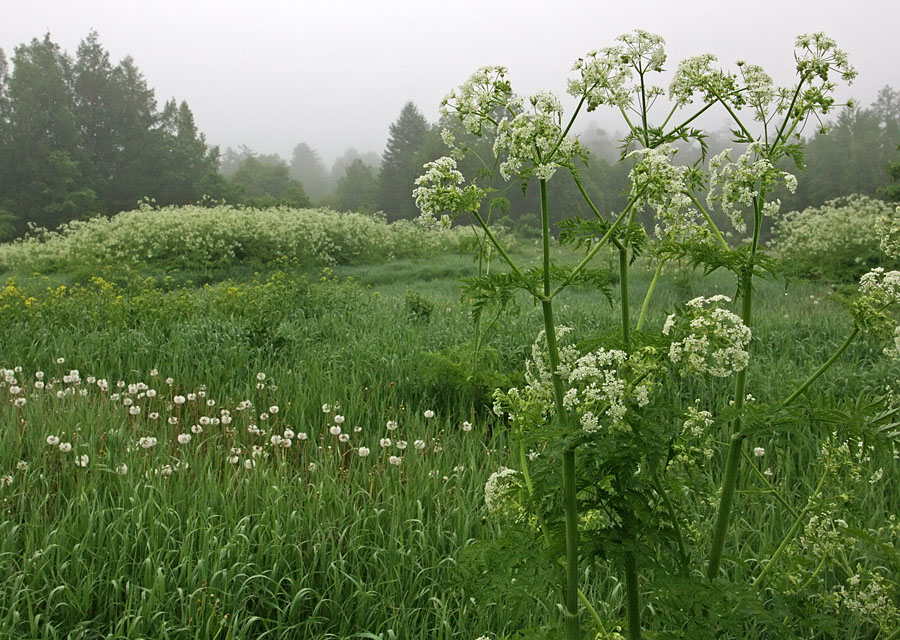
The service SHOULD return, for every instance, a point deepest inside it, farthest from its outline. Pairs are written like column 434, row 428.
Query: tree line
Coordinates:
column 81, row 136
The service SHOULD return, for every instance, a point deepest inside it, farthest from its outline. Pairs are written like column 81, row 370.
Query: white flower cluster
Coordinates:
column 477, row 101
column 603, row 78
column 713, row 340
column 663, row 186
column 532, row 142
column 818, row 55
column 499, row 492
column 191, row 236
column 644, row 49
column 605, row 73
column 848, row 230
column 597, row 394
column 879, row 289
column 439, row 193
column 596, row 390
column 875, row 601
column 737, row 184
column 824, row 534
column 880, row 286
column 697, row 438
column 888, row 231
column 759, row 89
column 697, row 74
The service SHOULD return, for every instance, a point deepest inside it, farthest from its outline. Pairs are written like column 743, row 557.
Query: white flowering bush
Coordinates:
column 195, row 237
column 840, row 239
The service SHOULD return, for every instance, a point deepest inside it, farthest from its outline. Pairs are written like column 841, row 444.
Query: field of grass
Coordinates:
column 228, row 533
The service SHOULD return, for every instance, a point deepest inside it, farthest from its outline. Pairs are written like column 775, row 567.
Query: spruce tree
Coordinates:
column 401, row 164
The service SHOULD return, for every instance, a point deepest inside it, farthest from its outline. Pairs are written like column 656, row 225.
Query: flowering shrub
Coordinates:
column 839, row 240
column 195, row 237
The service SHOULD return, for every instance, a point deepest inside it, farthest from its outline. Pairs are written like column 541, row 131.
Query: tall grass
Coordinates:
column 353, row 546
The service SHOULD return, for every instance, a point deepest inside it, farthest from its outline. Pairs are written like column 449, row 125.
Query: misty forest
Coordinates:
column 515, row 376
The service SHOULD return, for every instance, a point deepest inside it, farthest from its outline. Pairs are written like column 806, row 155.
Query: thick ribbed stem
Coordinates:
column 570, row 591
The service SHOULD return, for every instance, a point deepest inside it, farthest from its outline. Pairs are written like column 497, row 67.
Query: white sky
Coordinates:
column 335, row 74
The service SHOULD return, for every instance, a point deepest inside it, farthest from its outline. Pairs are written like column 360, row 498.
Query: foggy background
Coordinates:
column 271, row 74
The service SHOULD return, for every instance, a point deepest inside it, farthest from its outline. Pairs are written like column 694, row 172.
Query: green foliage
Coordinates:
column 401, row 164
column 308, row 170
column 265, row 184
column 418, row 306
column 357, row 189
column 82, row 136
column 892, row 191
column 465, row 374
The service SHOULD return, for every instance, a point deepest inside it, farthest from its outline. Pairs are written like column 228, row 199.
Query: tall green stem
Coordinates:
column 646, row 305
column 623, row 288
column 570, row 592
column 632, row 586
column 632, row 596
column 732, row 462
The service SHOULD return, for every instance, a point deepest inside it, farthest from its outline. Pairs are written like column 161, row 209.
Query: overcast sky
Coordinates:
column 335, row 73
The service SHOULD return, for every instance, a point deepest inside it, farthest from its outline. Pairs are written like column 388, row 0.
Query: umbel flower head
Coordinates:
column 735, row 185
column 605, row 73
column 477, row 101
column 817, row 56
column 597, row 391
column 711, row 340
column 440, row 194
column 531, row 143
column 664, row 186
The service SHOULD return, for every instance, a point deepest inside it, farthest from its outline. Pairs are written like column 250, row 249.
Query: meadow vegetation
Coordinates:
column 231, row 423
column 182, row 540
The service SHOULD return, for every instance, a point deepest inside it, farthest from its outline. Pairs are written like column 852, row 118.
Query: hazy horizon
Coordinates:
column 336, row 75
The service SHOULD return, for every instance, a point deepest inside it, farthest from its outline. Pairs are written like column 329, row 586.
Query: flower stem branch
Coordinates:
column 798, row 521
column 646, row 305
column 803, row 387
column 709, row 220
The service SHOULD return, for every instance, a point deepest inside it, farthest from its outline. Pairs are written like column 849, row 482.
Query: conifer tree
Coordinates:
column 402, row 163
